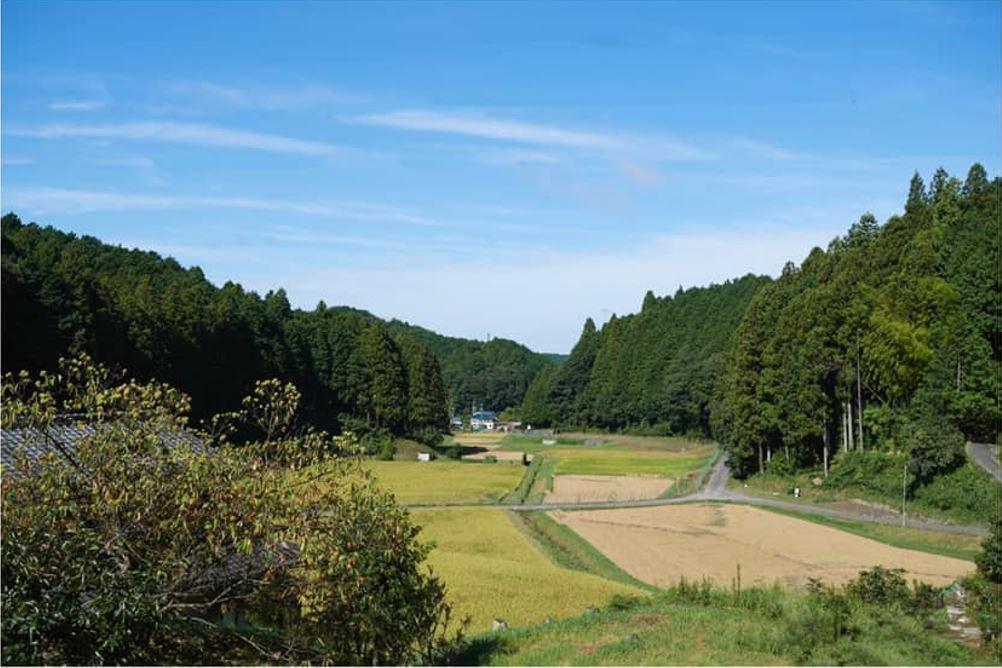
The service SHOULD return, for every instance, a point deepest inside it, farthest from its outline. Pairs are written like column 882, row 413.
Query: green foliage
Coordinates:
column 492, row 374
column 64, row 295
column 990, row 560
column 888, row 339
column 124, row 550
column 697, row 623
column 648, row 373
column 935, row 448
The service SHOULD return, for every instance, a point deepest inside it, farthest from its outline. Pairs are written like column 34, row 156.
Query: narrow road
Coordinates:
column 716, row 490
column 986, row 456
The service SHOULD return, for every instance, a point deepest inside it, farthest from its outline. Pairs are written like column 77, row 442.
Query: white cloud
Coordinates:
column 78, row 105
column 69, row 201
column 487, row 127
column 551, row 293
column 180, row 133
column 269, row 98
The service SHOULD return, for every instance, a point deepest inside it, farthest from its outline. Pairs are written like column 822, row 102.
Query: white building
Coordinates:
column 483, row 421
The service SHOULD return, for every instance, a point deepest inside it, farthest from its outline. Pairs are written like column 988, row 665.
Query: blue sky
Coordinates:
column 487, row 169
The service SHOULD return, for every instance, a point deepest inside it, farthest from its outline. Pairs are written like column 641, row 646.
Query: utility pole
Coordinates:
column 904, row 489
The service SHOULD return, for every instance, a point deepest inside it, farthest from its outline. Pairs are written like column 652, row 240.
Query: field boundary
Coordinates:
column 565, row 548
column 867, row 530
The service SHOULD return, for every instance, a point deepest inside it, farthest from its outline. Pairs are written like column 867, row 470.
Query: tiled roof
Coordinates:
column 484, row 415
column 34, row 442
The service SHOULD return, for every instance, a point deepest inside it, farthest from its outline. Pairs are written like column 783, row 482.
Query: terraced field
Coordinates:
column 492, row 571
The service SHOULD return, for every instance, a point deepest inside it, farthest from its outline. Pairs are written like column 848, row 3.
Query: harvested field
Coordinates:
column 491, row 570
column 479, row 439
column 587, row 488
column 660, row 545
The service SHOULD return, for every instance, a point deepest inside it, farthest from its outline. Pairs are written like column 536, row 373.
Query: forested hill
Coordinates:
column 889, row 340
column 137, row 311
column 491, row 374
column 653, row 370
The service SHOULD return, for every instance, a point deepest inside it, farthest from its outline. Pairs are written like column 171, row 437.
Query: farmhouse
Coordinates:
column 483, row 421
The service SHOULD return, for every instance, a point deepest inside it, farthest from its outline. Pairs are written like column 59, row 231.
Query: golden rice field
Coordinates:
column 491, row 570
column 446, row 482
column 607, row 461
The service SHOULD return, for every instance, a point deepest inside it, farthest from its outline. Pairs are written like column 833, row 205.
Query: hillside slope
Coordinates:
column 651, row 370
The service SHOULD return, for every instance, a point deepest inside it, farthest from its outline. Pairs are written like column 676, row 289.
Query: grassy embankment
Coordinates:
column 967, row 495
column 699, row 625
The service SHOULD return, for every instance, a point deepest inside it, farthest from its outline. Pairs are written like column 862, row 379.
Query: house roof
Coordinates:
column 34, row 442
column 484, row 415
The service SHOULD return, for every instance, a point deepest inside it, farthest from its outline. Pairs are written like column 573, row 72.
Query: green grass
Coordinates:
column 695, row 625
column 525, row 485
column 491, row 570
column 445, row 482
column 662, row 444
column 967, row 495
column 569, row 550
column 934, row 542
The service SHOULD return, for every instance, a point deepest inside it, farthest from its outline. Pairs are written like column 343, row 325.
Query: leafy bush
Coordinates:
column 454, row 452
column 935, row 448
column 123, row 550
column 990, row 560
column 967, row 494
column 387, row 451
column 430, row 436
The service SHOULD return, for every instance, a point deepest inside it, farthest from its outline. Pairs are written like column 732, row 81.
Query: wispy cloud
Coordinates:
column 13, row 160
column 70, row 201
column 78, row 105
column 181, row 133
column 764, row 150
column 487, row 127
column 269, row 98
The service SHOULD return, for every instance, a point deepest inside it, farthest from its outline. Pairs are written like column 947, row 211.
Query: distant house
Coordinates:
column 483, row 421
column 457, row 423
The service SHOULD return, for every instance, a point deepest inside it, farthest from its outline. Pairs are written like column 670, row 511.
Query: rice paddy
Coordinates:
column 492, row 571
column 442, row 482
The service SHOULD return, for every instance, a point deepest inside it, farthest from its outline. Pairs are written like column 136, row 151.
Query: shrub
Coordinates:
column 430, row 436
column 454, row 452
column 935, row 448
column 387, row 451
column 122, row 550
column 989, row 561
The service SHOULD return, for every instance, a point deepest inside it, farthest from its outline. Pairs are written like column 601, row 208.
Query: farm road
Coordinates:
column 986, row 456
column 716, row 491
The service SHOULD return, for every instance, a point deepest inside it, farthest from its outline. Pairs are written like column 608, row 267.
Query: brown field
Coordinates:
column 587, row 488
column 660, row 545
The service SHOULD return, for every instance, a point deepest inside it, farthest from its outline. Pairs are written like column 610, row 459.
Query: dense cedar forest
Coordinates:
column 135, row 310
column 890, row 339
column 652, row 371
column 493, row 375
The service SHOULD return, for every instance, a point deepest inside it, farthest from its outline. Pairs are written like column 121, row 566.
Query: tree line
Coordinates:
column 888, row 339
column 652, row 371
column 130, row 309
